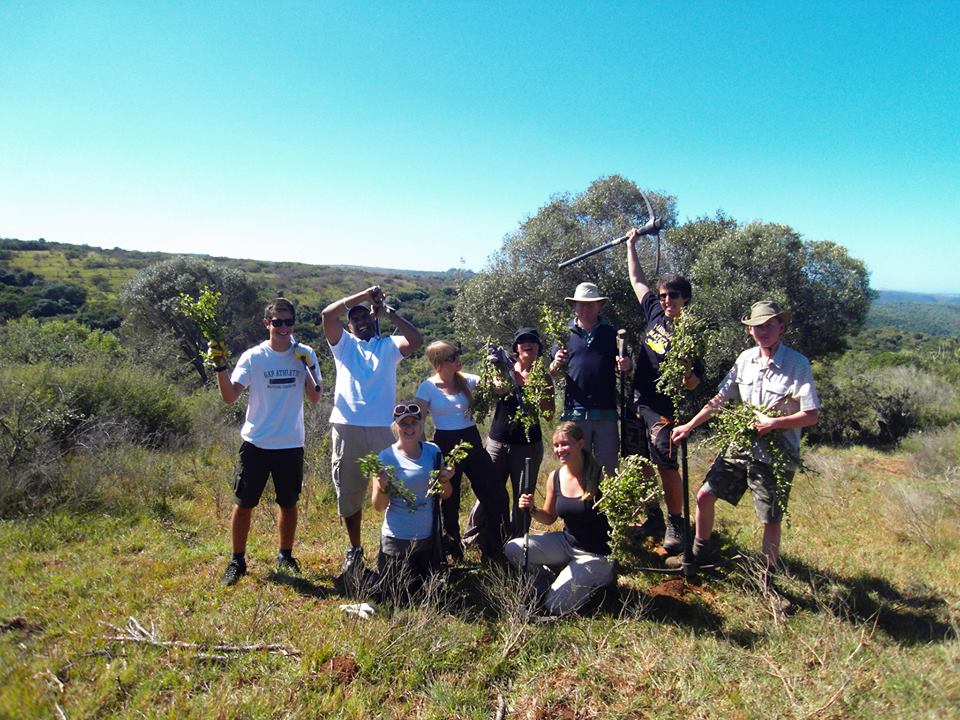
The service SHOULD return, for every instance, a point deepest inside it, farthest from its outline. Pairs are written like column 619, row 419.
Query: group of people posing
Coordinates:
column 422, row 523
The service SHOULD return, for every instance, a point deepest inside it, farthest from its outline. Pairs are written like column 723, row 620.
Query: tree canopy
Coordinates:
column 729, row 265
column 151, row 300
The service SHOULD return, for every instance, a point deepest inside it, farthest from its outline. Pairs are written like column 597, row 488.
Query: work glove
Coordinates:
column 217, row 354
column 304, row 353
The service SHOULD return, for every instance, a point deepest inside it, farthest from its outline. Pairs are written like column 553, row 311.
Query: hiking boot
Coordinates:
column 350, row 570
column 704, row 553
column 673, row 536
column 235, row 570
column 288, row 564
column 653, row 526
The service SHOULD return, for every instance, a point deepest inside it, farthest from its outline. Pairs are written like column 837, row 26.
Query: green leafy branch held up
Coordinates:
column 687, row 343
column 371, row 466
column 734, row 431
column 624, row 495
column 205, row 312
column 458, row 453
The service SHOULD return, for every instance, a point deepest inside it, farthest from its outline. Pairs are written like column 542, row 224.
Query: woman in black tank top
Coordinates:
column 568, row 565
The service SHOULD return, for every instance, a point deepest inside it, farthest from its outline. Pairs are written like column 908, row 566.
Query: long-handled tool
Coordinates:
column 651, row 227
column 622, row 352
column 313, row 378
column 526, row 490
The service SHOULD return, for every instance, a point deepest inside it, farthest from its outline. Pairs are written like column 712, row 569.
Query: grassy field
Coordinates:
column 873, row 566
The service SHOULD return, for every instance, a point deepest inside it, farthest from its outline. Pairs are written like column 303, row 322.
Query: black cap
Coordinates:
column 530, row 335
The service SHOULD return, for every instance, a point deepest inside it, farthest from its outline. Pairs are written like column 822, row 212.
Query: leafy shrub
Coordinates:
column 51, row 414
column 879, row 406
column 28, row 340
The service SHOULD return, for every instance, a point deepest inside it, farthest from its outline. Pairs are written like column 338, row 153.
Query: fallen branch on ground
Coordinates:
column 135, row 632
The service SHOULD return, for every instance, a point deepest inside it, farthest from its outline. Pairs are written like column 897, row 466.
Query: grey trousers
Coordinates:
column 582, row 573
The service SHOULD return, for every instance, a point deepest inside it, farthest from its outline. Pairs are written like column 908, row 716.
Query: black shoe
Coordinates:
column 673, row 536
column 235, row 570
column 653, row 527
column 288, row 564
column 704, row 554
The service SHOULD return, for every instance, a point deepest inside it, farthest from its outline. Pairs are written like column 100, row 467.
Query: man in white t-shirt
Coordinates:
column 364, row 397
column 278, row 372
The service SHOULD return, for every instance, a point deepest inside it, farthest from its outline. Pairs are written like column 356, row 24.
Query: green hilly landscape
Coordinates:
column 116, row 464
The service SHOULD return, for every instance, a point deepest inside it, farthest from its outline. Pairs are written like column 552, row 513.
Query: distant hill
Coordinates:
column 54, row 279
column 931, row 314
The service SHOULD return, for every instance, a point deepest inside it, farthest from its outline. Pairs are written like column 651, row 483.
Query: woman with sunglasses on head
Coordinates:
column 582, row 548
column 654, row 409
column 447, row 395
column 406, row 539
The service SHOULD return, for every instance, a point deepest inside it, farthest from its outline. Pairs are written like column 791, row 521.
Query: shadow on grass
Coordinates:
column 301, row 584
column 908, row 618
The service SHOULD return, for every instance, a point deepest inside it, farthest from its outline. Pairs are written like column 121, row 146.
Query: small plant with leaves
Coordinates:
column 537, row 394
column 687, row 343
column 371, row 466
column 556, row 327
column 204, row 311
column 458, row 453
column 734, row 431
column 493, row 377
column 624, row 495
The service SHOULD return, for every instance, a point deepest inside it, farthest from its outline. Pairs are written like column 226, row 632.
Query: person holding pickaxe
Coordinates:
column 278, row 372
column 652, row 408
column 363, row 401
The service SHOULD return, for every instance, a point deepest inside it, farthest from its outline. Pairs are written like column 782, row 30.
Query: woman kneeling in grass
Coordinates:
column 407, row 538
column 580, row 552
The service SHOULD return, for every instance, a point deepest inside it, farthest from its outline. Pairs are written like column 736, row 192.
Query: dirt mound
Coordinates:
column 340, row 668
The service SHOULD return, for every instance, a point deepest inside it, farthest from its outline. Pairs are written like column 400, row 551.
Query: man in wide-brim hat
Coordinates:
column 778, row 381
column 590, row 362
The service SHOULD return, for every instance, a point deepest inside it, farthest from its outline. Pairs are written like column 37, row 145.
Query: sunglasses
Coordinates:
column 406, row 410
column 280, row 322
column 453, row 357
column 672, row 294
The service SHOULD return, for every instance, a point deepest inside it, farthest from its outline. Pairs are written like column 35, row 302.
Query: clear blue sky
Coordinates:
column 412, row 135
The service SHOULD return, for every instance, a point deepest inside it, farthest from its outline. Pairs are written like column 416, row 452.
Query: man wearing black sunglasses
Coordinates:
column 278, row 372
column 363, row 400
column 653, row 409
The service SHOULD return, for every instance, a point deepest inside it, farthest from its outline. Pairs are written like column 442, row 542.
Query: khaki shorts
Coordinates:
column 348, row 444
column 730, row 476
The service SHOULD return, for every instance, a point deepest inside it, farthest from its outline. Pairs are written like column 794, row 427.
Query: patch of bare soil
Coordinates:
column 340, row 668
column 675, row 589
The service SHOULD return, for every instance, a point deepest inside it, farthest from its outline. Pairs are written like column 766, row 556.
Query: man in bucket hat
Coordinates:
column 778, row 382
column 590, row 361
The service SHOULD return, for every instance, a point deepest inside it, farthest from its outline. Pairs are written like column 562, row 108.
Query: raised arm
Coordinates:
column 332, row 324
column 637, row 277
column 412, row 339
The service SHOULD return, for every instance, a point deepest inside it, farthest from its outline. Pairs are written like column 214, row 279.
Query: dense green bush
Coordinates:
column 51, row 413
column 879, row 403
column 28, row 340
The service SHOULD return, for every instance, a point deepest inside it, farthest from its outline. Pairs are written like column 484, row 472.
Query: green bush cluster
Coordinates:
column 867, row 401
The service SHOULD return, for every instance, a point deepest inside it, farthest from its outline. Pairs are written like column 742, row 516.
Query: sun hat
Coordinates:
column 586, row 292
column 765, row 310
column 531, row 334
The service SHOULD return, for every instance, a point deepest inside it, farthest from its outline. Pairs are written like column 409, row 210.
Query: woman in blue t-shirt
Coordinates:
column 581, row 550
column 407, row 536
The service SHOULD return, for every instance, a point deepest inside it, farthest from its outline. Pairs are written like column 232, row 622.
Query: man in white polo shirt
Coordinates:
column 364, row 397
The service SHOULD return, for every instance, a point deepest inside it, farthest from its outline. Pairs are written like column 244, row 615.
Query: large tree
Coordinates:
column 729, row 265
column 151, row 299
column 523, row 274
